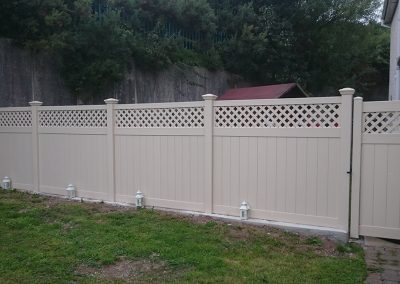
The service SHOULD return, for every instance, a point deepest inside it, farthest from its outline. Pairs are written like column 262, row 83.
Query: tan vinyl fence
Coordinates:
column 376, row 169
column 288, row 158
column 16, row 147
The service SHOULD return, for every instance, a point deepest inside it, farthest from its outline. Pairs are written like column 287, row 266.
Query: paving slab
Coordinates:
column 383, row 261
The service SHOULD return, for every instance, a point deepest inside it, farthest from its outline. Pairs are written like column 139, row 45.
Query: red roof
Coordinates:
column 262, row 92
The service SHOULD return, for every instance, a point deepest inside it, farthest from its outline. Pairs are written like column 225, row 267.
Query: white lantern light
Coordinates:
column 244, row 210
column 139, row 199
column 71, row 191
column 6, row 183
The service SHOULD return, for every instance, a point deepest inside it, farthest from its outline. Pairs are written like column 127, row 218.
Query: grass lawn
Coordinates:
column 50, row 240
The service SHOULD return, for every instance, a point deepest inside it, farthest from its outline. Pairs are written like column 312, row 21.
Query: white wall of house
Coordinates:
column 394, row 81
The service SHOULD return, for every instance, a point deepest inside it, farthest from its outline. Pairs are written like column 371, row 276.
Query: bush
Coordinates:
column 321, row 44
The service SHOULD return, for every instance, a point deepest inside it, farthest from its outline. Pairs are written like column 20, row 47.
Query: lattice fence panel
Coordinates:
column 73, row 118
column 278, row 116
column 190, row 117
column 15, row 119
column 381, row 122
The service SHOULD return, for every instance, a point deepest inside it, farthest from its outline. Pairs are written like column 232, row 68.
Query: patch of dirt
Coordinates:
column 329, row 246
column 284, row 240
column 192, row 218
column 106, row 208
column 96, row 207
column 127, row 269
column 25, row 210
column 199, row 219
column 52, row 201
column 326, row 248
column 238, row 233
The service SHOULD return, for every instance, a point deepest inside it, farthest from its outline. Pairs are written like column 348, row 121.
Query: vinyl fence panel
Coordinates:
column 283, row 158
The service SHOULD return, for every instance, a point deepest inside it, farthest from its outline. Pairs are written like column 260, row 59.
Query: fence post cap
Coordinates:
column 111, row 101
column 358, row 98
column 207, row 97
column 347, row 91
column 35, row 103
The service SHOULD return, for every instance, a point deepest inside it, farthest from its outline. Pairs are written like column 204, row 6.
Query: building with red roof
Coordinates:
column 291, row 90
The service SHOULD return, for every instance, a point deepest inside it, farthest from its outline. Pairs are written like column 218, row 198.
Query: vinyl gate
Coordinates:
column 376, row 169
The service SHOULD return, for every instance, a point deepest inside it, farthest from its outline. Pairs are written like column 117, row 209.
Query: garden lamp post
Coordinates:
column 244, row 210
column 139, row 199
column 71, row 191
column 6, row 183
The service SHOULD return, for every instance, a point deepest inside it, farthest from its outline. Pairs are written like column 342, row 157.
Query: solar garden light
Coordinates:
column 139, row 199
column 244, row 210
column 6, row 183
column 71, row 191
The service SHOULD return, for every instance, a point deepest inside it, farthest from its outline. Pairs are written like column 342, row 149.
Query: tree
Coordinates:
column 96, row 56
column 37, row 24
column 322, row 44
column 318, row 43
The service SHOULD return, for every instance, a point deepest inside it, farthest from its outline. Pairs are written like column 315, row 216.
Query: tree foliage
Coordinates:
column 322, row 44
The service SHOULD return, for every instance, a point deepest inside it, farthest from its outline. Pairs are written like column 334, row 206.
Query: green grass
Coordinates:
column 45, row 240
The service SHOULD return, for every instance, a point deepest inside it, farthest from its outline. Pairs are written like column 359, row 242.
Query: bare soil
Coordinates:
column 126, row 269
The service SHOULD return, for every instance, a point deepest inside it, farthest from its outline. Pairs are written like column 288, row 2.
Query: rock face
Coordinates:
column 177, row 83
column 25, row 77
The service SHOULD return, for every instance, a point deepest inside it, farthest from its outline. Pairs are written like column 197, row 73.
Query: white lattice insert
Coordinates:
column 190, row 117
column 382, row 122
column 73, row 118
column 15, row 119
column 278, row 116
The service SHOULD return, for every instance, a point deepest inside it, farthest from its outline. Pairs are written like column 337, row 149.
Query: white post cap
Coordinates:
column 111, row 101
column 347, row 91
column 35, row 103
column 209, row 97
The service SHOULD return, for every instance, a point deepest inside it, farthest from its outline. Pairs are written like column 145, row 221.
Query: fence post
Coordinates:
column 35, row 145
column 208, row 151
column 356, row 168
column 346, row 128
column 110, row 148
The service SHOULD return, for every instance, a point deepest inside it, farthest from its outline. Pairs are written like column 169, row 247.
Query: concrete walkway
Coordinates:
column 383, row 261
